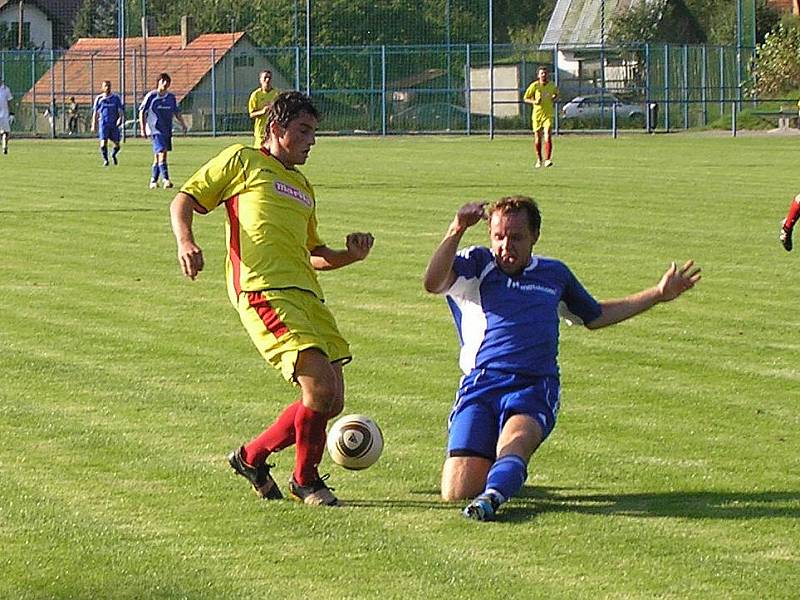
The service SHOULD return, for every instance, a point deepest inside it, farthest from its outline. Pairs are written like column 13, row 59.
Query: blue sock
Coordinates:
column 155, row 173
column 114, row 152
column 506, row 477
column 104, row 153
column 164, row 170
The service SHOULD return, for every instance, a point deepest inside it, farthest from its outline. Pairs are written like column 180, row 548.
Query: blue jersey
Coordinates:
column 511, row 323
column 109, row 109
column 158, row 113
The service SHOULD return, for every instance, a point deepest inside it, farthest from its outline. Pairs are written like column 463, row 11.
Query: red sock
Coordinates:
column 548, row 149
column 538, row 147
column 277, row 436
column 309, row 426
column 794, row 214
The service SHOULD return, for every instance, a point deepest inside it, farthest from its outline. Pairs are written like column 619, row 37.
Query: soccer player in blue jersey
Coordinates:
column 506, row 305
column 108, row 113
column 156, row 112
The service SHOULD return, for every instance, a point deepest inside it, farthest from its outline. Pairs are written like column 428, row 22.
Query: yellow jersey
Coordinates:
column 258, row 100
column 272, row 223
column 546, row 93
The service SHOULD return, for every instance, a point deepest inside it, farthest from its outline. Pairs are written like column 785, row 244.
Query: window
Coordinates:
column 244, row 60
column 9, row 33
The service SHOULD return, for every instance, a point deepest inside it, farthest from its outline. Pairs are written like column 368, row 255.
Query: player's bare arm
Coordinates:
column 179, row 118
column 141, row 124
column 190, row 256
column 673, row 283
column 439, row 274
column 357, row 248
column 94, row 121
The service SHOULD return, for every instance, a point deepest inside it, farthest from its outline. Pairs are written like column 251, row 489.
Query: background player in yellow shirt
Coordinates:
column 258, row 105
column 274, row 251
column 542, row 94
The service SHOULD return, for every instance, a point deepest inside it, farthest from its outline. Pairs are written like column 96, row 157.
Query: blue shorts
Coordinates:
column 487, row 398
column 109, row 131
column 161, row 143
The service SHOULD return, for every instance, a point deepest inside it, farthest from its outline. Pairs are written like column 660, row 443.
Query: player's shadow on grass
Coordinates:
column 686, row 505
column 533, row 501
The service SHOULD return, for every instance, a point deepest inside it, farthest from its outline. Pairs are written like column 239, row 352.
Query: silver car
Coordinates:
column 595, row 105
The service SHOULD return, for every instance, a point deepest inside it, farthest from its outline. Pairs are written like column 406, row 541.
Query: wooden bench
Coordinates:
column 784, row 116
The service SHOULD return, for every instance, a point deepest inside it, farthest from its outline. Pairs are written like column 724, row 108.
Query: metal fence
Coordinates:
column 390, row 89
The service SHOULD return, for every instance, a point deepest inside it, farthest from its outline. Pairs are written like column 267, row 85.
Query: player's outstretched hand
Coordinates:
column 469, row 214
column 190, row 257
column 676, row 281
column 359, row 244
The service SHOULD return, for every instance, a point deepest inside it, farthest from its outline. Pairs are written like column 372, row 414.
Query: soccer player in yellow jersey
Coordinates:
column 542, row 95
column 274, row 251
column 258, row 105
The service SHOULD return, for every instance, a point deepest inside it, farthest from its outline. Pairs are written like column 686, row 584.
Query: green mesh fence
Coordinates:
column 379, row 68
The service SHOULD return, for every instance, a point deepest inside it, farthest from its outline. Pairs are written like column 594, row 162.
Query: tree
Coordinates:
column 97, row 18
column 776, row 68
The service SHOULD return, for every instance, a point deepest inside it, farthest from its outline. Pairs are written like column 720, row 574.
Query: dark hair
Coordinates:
column 287, row 106
column 264, row 72
column 165, row 77
column 515, row 204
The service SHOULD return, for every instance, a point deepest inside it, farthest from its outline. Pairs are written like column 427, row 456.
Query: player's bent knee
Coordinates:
column 464, row 477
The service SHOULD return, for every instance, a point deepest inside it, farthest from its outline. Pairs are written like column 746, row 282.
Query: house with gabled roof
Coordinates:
column 46, row 23
column 579, row 29
column 228, row 63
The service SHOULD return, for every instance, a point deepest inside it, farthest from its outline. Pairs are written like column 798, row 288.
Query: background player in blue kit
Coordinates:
column 108, row 113
column 156, row 112
column 506, row 305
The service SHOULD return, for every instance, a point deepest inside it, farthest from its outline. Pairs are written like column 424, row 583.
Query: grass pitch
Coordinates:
column 672, row 473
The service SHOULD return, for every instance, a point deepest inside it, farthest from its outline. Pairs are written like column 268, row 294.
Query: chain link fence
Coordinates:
column 381, row 89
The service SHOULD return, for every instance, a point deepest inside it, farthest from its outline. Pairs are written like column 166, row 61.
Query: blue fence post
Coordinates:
column 704, row 84
column 308, row 47
column 297, row 67
column 649, row 125
column 134, row 94
column 33, row 90
column 213, row 92
column 468, row 78
column 491, row 71
column 667, row 99
column 383, row 90
column 51, row 104
column 685, row 58
column 614, row 120
column 721, row 81
column 556, row 81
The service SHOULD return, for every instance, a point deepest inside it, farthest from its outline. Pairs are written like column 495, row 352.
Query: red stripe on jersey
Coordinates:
column 234, row 246
column 268, row 315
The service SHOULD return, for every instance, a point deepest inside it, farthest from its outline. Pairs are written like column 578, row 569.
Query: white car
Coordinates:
column 596, row 105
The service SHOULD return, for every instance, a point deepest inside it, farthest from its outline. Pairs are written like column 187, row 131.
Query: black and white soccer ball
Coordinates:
column 355, row 442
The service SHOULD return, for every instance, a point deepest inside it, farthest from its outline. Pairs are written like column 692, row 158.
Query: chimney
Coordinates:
column 148, row 27
column 187, row 31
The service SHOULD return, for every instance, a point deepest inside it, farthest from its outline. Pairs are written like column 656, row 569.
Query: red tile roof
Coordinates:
column 82, row 68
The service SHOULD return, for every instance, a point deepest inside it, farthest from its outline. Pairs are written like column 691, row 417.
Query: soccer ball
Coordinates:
column 355, row 442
